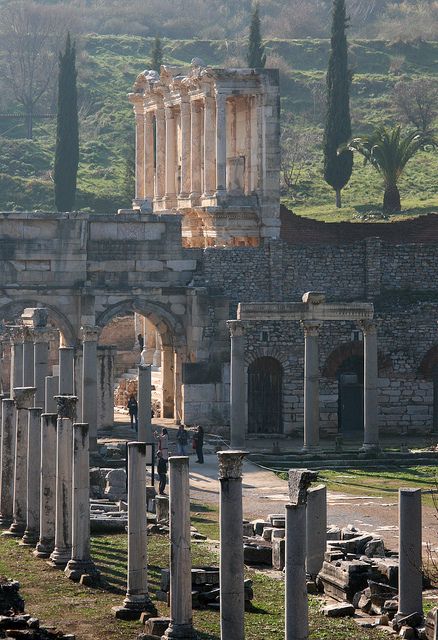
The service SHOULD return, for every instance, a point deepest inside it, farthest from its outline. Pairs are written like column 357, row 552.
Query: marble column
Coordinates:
column 80, row 563
column 311, row 385
column 221, row 144
column 410, row 579
column 41, row 363
column 248, row 146
column 209, row 147
column 177, row 386
column 160, row 145
column 168, row 380
column 105, row 385
column 31, row 533
column 232, row 599
column 185, row 149
column 181, row 625
column 316, row 527
column 7, row 462
column 237, row 384
column 170, row 174
column 46, row 542
column 149, row 155
column 61, row 554
column 139, row 152
column 144, row 403
column 24, row 398
column 137, row 598
column 51, row 390
column 16, row 379
column 370, row 371
column 28, row 357
column 66, row 371
column 89, row 336
column 296, row 604
column 195, row 156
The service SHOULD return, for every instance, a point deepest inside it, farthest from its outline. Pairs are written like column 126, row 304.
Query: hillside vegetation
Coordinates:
column 108, row 66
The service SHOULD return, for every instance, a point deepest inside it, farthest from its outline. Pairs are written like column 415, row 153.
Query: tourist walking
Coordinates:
column 133, row 411
column 181, row 441
column 163, row 443
column 198, row 443
column 162, row 473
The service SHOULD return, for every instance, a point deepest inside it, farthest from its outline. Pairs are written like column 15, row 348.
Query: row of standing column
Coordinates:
column 311, row 385
column 156, row 164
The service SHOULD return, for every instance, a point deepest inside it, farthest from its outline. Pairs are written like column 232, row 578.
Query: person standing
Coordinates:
column 181, row 441
column 162, row 473
column 198, row 443
column 163, row 443
column 133, row 411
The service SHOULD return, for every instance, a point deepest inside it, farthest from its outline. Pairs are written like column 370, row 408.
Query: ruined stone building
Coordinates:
column 206, row 232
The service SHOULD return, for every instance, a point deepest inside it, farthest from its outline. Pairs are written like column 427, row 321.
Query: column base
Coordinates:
column 178, row 631
column 5, row 521
column 16, row 530
column 369, row 448
column 311, row 449
column 76, row 570
column 43, row 549
column 133, row 608
column 59, row 558
column 30, row 538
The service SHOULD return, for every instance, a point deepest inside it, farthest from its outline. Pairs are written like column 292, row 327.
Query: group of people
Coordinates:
column 182, row 442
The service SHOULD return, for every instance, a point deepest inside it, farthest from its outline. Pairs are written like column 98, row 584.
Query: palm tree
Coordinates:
column 388, row 151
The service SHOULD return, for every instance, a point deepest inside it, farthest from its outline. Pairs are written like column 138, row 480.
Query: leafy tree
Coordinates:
column 157, row 55
column 256, row 56
column 338, row 166
column 388, row 151
column 67, row 132
column 416, row 102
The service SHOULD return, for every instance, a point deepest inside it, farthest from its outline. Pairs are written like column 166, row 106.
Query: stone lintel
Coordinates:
column 230, row 464
column 356, row 311
column 299, row 482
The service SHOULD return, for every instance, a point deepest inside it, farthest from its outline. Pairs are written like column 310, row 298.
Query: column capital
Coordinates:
column 27, row 333
column 368, row 327
column 90, row 333
column 230, row 464
column 66, row 406
column 16, row 334
column 168, row 112
column 311, row 328
column 24, row 397
column 43, row 335
column 236, row 328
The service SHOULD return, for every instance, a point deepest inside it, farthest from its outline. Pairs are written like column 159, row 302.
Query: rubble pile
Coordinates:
column 263, row 541
column 205, row 588
column 14, row 623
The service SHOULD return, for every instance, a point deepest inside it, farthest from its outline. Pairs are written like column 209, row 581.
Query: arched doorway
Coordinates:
column 265, row 377
column 350, row 397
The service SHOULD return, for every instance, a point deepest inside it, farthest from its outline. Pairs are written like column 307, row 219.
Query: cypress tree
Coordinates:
column 67, row 132
column 256, row 56
column 338, row 168
column 157, row 55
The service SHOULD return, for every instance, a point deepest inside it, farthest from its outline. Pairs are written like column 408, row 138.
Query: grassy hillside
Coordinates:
column 108, row 66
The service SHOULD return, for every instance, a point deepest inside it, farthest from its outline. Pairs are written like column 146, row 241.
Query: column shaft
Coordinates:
column 41, row 367
column 410, row 579
column 232, row 597
column 149, row 155
column 167, row 363
column 7, row 461
column 316, row 527
column 209, row 147
column 160, row 145
column 16, row 379
column 185, row 149
column 66, row 371
column 28, row 361
column 180, row 556
column 46, row 540
column 311, row 386
column 371, row 425
column 144, row 404
column 221, row 144
column 170, row 157
column 195, row 156
column 51, row 390
column 31, row 533
column 237, row 385
column 296, row 605
column 89, row 382
column 139, row 155
column 248, row 146
column 81, row 563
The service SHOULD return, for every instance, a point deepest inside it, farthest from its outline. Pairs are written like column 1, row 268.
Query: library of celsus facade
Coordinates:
column 207, row 146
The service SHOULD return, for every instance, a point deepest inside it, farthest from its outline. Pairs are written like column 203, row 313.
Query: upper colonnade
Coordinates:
column 207, row 145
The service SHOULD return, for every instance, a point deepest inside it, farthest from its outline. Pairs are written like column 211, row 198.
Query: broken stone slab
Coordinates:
column 108, row 525
column 156, row 626
column 412, row 620
column 248, row 529
column 267, row 534
column 388, row 567
column 259, row 526
column 431, row 624
column 338, row 610
column 354, row 545
column 333, row 533
column 408, row 633
column 278, row 553
column 257, row 554
column 374, row 548
column 275, row 516
column 278, row 533
column 299, row 481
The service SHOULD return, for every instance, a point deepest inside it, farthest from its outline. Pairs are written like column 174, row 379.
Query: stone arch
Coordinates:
column 344, row 352
column 168, row 326
column 268, row 352
column 429, row 363
column 14, row 309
